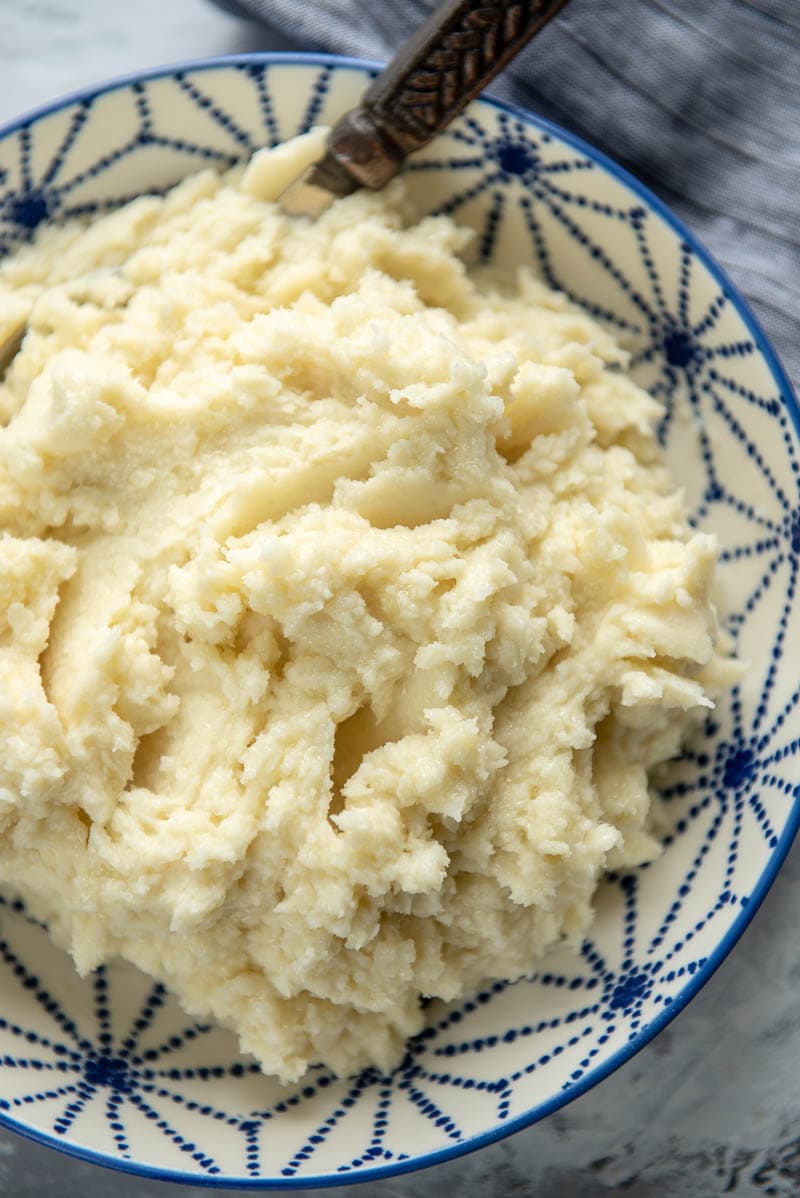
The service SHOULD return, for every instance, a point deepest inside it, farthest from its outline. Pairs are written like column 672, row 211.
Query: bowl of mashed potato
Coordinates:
column 398, row 613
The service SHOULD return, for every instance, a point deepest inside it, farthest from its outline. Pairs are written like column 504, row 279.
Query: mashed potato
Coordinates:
column 345, row 604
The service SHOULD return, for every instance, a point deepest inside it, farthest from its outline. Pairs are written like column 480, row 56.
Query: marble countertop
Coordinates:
column 710, row 1106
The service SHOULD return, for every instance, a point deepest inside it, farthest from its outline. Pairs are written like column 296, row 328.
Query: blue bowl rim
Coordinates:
column 765, row 881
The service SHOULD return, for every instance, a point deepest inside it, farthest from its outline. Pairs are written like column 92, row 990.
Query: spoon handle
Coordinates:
column 459, row 49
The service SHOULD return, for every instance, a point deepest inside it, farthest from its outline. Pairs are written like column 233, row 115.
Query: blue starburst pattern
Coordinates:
column 109, row 1066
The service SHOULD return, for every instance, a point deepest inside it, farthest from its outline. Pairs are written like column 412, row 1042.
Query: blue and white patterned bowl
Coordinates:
column 109, row 1068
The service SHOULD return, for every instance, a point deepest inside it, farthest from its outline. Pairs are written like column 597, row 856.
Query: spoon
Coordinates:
column 434, row 75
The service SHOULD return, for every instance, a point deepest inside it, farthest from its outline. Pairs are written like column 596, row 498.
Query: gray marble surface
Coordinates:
column 710, row 1107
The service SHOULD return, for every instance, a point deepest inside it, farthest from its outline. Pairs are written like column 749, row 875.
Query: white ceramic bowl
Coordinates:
column 109, row 1068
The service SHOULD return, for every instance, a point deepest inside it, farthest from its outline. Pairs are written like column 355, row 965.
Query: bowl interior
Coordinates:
column 109, row 1067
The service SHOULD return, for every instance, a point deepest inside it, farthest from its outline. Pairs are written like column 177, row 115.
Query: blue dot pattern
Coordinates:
column 109, row 1064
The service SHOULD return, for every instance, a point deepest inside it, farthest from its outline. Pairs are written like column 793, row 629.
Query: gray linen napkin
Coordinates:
column 698, row 98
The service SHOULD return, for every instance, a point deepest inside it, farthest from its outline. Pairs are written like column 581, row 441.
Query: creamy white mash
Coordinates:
column 345, row 604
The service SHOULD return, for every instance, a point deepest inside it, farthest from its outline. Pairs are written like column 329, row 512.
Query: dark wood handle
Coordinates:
column 452, row 57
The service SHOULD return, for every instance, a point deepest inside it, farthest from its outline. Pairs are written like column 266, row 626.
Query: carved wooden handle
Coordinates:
column 458, row 50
